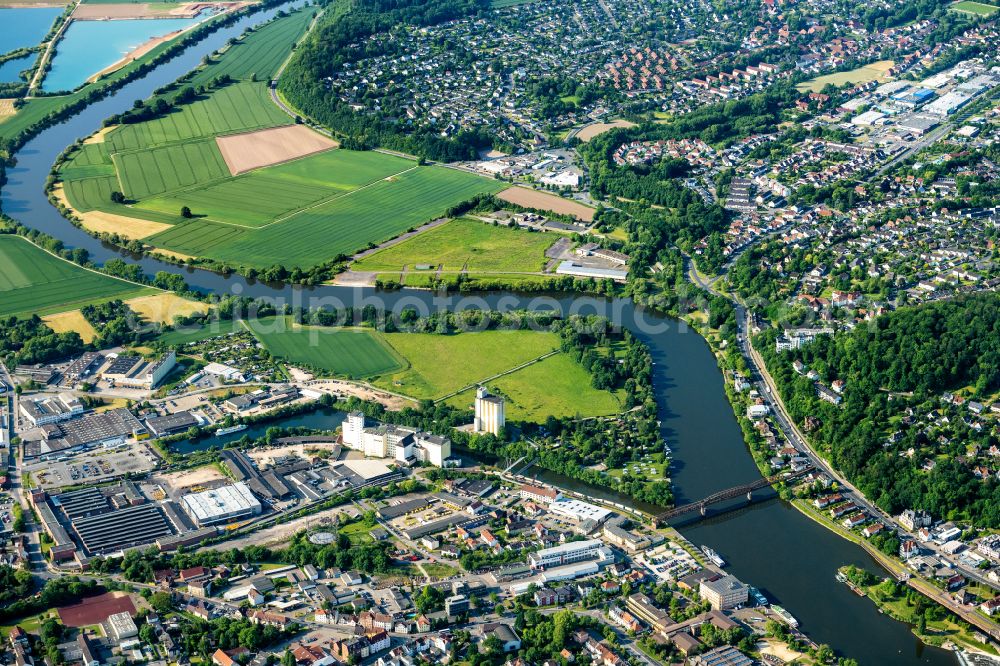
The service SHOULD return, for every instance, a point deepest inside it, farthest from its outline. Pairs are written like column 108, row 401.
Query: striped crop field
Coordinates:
column 240, row 107
column 340, row 351
column 35, row 282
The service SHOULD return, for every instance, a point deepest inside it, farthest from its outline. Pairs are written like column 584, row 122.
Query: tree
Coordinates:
column 288, row 659
column 117, row 197
column 186, row 212
column 147, row 634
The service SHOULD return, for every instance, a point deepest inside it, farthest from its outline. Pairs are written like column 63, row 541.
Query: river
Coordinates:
column 769, row 544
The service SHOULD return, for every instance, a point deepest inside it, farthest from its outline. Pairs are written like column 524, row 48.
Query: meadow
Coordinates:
column 346, row 352
column 464, row 244
column 442, row 364
column 35, row 282
column 556, row 386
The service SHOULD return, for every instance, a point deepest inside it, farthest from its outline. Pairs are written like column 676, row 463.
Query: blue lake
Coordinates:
column 88, row 47
column 25, row 26
column 9, row 70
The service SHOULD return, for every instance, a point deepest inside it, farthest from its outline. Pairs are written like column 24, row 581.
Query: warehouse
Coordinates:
column 86, row 431
column 221, row 505
column 947, row 104
column 161, row 426
column 124, row 528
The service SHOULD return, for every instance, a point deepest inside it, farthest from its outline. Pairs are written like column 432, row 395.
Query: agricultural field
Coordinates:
column 182, row 336
column 529, row 198
column 263, row 196
column 875, row 71
column 35, row 282
column 970, row 7
column 340, row 351
column 239, row 107
column 443, row 364
column 556, row 386
column 464, row 244
column 321, row 231
column 146, row 173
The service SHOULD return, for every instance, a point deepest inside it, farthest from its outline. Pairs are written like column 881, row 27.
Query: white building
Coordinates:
column 578, row 511
column 51, row 409
column 221, row 505
column 489, row 412
column 568, row 553
column 142, row 374
column 121, row 626
column 404, row 445
column 724, row 593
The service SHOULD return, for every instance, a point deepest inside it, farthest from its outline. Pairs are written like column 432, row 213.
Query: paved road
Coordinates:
column 769, row 391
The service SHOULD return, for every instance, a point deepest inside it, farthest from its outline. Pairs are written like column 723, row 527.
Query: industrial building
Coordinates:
column 579, row 511
column 568, row 553
column 405, row 445
column 120, row 626
column 83, row 432
column 490, row 416
column 136, row 372
column 122, row 528
column 597, row 273
column 221, row 505
column 50, row 409
column 161, row 426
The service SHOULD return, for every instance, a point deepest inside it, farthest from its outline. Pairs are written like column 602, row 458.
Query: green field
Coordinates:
column 343, row 225
column 441, row 364
column 970, row 7
column 298, row 214
column 556, row 386
column 344, row 352
column 260, row 197
column 33, row 281
column 239, row 107
column 183, row 336
column 146, row 173
column 464, row 244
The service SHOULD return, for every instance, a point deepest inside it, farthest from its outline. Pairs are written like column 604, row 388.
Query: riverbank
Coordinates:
column 911, row 607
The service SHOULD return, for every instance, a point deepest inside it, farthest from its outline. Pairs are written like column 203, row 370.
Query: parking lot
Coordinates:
column 92, row 467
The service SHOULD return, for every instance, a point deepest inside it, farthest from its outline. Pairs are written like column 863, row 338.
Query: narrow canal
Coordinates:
column 768, row 545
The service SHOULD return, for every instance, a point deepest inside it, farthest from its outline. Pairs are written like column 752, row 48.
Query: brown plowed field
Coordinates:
column 253, row 150
column 523, row 196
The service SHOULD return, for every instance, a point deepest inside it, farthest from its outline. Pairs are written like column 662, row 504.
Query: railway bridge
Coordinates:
column 747, row 489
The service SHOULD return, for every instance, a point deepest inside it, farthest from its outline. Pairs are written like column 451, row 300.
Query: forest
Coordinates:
column 897, row 368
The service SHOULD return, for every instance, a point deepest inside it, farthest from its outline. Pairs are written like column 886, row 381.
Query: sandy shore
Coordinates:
column 134, row 55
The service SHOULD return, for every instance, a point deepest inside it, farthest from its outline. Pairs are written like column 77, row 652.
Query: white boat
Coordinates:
column 221, row 432
column 785, row 615
column 713, row 556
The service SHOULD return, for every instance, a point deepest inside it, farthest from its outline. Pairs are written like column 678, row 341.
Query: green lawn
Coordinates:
column 35, row 282
column 357, row 532
column 345, row 352
column 440, row 364
column 970, row 7
column 555, row 386
column 464, row 244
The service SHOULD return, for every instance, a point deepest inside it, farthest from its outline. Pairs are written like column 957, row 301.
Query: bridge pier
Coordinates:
column 749, row 495
column 703, row 509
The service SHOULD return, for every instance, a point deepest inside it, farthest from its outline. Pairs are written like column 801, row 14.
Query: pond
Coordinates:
column 21, row 27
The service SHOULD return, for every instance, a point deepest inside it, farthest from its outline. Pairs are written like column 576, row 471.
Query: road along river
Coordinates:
column 769, row 544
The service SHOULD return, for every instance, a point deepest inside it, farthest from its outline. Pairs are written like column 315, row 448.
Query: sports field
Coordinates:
column 970, row 7
column 464, row 244
column 441, row 364
column 33, row 281
column 556, row 386
column 345, row 352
